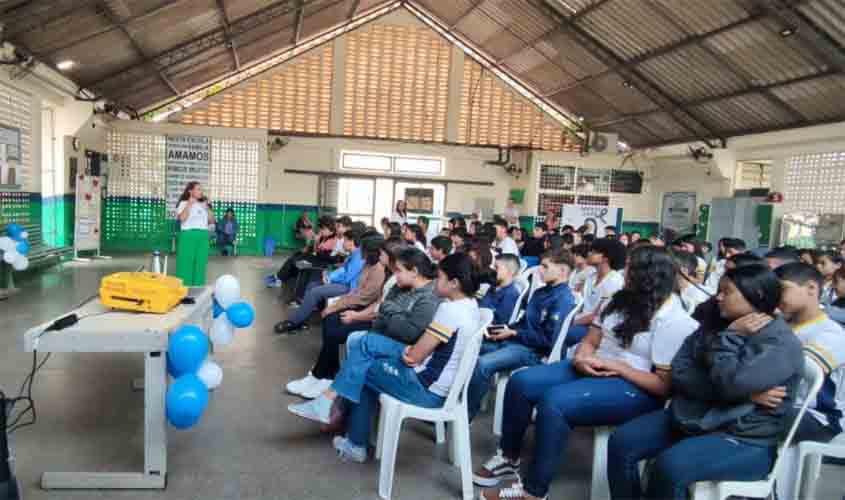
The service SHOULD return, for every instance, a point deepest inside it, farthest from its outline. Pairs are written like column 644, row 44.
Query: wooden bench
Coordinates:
column 39, row 254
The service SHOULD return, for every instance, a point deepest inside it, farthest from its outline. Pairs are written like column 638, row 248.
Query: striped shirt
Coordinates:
column 453, row 325
column 824, row 342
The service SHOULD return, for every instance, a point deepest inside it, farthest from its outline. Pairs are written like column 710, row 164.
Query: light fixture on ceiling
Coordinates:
column 65, row 65
column 626, row 84
column 580, row 118
column 788, row 31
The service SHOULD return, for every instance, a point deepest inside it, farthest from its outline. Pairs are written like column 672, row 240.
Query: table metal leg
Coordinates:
column 155, row 442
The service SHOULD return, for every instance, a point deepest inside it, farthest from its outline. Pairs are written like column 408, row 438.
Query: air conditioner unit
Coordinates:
column 603, row 143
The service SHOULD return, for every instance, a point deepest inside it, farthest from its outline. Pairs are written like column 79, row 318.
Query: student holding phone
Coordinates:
column 529, row 340
column 195, row 215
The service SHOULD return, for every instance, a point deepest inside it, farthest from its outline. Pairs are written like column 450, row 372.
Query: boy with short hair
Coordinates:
column 608, row 257
column 582, row 270
column 688, row 290
column 440, row 248
column 528, row 341
column 534, row 246
column 502, row 298
column 504, row 243
column 824, row 343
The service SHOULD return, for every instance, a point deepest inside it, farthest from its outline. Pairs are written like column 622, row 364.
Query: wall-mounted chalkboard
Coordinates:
column 626, row 181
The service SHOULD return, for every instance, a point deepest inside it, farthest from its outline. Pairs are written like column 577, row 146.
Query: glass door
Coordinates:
column 356, row 198
column 424, row 198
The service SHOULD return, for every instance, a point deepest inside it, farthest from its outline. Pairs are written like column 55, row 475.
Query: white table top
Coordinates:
column 101, row 329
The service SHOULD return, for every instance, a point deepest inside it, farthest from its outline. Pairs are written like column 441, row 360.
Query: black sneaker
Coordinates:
column 288, row 327
column 496, row 470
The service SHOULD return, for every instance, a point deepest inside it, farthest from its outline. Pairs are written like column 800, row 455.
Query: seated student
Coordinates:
column 317, row 253
column 333, row 284
column 836, row 310
column 779, row 257
column 534, row 247
column 824, row 342
column 625, row 239
column 504, row 244
column 620, row 371
column 227, row 232
column 414, row 236
column 635, row 236
column 515, row 233
column 342, row 224
column 582, row 270
column 440, row 248
column 395, row 230
column 610, row 232
column 690, row 292
column 712, row 431
column 807, row 256
column 608, row 258
column 460, row 238
column 421, row 374
column 690, row 244
column 501, row 299
column 828, row 262
column 728, row 247
column 385, row 227
column 427, row 230
column 707, row 313
column 531, row 339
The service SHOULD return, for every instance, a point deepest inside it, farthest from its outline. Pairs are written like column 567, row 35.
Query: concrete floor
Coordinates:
column 247, row 446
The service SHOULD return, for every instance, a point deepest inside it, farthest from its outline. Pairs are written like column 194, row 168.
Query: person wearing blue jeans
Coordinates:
column 334, row 284
column 530, row 339
column 716, row 428
column 421, row 374
column 620, row 372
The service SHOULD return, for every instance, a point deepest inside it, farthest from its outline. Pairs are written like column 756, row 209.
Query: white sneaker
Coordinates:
column 297, row 386
column 320, row 386
column 319, row 410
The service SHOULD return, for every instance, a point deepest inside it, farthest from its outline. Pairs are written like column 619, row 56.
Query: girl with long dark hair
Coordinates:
column 714, row 430
column 420, row 374
column 194, row 215
column 400, row 213
column 620, row 371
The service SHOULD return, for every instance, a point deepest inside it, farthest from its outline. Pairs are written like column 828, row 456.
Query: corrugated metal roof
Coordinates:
column 634, row 133
column 158, row 33
column 829, row 15
column 450, row 12
column 759, row 49
column 748, row 112
column 699, row 17
column 629, row 28
column 820, row 99
column 570, row 55
column 664, row 125
column 626, row 99
column 584, row 102
column 691, row 73
column 570, row 7
column 527, row 24
column 324, row 15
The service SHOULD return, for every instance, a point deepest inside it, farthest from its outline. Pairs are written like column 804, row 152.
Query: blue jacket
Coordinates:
column 349, row 272
column 501, row 302
column 546, row 311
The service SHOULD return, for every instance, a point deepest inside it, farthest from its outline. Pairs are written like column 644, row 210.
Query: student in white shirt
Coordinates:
column 583, row 271
column 608, row 257
column 511, row 213
column 400, row 214
column 728, row 247
column 414, row 236
column 828, row 262
column 690, row 293
column 504, row 243
column 621, row 371
column 420, row 374
column 194, row 215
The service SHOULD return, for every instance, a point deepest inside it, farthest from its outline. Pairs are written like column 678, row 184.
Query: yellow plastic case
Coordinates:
column 143, row 292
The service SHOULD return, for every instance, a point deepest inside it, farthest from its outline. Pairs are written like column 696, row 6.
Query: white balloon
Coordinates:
column 10, row 256
column 222, row 331
column 227, row 290
column 210, row 373
column 7, row 244
column 20, row 263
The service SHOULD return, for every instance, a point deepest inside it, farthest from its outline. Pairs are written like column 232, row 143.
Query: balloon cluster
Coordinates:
column 15, row 247
column 187, row 354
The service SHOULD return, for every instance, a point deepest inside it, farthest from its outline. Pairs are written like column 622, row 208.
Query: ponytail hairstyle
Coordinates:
column 413, row 258
column 186, row 194
column 460, row 267
column 650, row 281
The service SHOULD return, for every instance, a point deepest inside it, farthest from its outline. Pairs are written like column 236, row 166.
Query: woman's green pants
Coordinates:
column 192, row 256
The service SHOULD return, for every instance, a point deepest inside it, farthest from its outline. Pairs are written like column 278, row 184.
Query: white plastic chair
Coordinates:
column 808, row 455
column 721, row 490
column 454, row 412
column 502, row 379
column 523, row 265
column 524, row 288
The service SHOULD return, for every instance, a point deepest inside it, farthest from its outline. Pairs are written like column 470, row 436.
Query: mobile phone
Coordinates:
column 493, row 328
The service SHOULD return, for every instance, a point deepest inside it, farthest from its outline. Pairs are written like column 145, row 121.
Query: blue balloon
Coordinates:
column 14, row 231
column 240, row 314
column 186, row 400
column 23, row 248
column 188, row 349
column 171, row 370
column 218, row 309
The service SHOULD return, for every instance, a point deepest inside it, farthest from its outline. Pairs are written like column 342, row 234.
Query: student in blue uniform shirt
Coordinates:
column 532, row 338
column 502, row 298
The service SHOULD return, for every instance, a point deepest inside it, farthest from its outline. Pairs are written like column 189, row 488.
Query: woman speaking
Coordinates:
column 195, row 215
